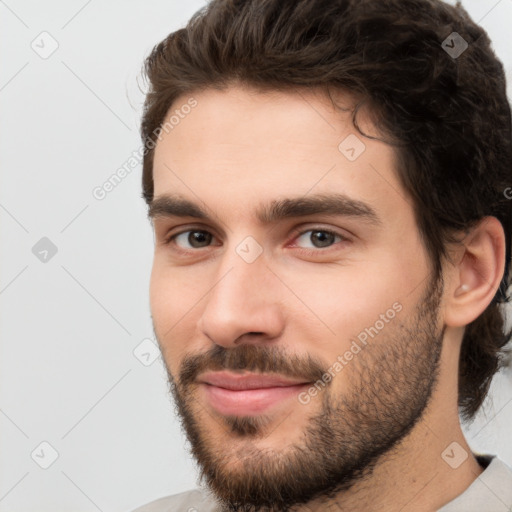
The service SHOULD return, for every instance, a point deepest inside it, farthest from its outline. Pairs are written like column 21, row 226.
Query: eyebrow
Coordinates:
column 280, row 209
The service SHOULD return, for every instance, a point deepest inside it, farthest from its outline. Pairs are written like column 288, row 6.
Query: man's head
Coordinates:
column 274, row 123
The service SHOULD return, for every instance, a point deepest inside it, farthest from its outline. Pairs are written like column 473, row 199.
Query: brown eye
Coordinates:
column 319, row 238
column 322, row 238
column 195, row 238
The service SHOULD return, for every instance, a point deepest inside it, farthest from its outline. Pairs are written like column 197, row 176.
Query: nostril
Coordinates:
column 239, row 339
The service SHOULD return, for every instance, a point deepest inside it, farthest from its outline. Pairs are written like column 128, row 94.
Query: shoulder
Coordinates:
column 491, row 491
column 189, row 501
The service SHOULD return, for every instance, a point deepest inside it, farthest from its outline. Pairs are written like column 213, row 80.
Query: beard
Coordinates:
column 387, row 389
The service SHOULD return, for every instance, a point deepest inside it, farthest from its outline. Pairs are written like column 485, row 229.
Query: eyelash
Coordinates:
column 168, row 240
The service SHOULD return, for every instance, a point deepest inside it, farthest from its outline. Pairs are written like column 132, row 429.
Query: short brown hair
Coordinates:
column 447, row 115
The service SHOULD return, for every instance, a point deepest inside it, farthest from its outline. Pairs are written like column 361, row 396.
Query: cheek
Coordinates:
column 336, row 305
column 173, row 296
column 173, row 290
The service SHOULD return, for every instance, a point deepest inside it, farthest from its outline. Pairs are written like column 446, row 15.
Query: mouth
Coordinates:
column 247, row 394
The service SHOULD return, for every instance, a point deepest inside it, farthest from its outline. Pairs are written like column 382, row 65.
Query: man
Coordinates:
column 327, row 183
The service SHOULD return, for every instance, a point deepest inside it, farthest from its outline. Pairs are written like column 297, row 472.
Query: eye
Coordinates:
column 195, row 238
column 320, row 238
column 317, row 238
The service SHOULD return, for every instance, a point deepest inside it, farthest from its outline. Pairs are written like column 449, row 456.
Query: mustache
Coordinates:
column 253, row 358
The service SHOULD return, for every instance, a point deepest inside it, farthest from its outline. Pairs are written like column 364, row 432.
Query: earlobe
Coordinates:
column 477, row 276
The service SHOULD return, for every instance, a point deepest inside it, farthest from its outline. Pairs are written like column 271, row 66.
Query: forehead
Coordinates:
column 238, row 148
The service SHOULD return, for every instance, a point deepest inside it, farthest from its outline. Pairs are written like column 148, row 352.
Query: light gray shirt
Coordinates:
column 490, row 492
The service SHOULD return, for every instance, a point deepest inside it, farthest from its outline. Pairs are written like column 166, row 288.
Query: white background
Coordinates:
column 69, row 326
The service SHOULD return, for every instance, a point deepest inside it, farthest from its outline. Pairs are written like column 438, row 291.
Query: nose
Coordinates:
column 244, row 304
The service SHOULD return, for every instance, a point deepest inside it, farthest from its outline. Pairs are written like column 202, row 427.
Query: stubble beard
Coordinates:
column 391, row 382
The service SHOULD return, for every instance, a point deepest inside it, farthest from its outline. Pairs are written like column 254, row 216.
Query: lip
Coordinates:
column 247, row 394
column 237, row 381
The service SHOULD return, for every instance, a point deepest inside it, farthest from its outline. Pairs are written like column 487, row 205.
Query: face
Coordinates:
column 291, row 295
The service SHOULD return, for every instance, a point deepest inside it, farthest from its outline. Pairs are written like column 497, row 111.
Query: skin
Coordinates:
column 298, row 303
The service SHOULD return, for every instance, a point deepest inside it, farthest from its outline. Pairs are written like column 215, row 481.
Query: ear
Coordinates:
column 476, row 274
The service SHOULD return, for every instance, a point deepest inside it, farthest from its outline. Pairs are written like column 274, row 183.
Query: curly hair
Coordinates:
column 446, row 114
